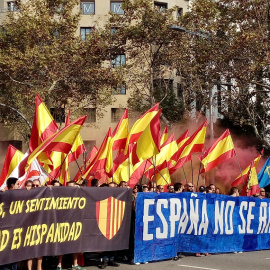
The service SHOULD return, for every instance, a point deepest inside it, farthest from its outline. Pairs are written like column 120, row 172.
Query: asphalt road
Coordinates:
column 241, row 261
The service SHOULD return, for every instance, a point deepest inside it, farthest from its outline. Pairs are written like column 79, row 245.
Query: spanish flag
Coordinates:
column 12, row 159
column 78, row 146
column 194, row 144
column 120, row 133
column 61, row 141
column 243, row 177
column 99, row 162
column 88, row 160
column 148, row 143
column 219, row 152
column 43, row 127
column 252, row 187
column 140, row 125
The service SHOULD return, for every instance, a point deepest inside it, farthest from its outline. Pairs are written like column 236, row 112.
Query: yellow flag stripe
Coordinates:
column 44, row 118
column 199, row 139
column 222, row 147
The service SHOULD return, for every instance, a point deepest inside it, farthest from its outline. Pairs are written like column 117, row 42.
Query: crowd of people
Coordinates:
column 108, row 258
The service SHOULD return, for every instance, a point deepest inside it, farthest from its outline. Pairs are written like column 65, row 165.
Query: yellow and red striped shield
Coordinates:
column 110, row 214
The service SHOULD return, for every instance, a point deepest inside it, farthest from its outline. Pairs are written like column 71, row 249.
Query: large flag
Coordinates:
column 194, row 144
column 12, row 159
column 243, row 177
column 148, row 143
column 61, row 141
column 140, row 125
column 220, row 151
column 43, row 127
column 264, row 174
column 120, row 133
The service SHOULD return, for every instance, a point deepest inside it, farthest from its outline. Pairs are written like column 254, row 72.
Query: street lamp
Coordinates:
column 207, row 36
column 200, row 33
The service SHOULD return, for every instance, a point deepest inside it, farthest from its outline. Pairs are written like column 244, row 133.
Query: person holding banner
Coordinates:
column 35, row 184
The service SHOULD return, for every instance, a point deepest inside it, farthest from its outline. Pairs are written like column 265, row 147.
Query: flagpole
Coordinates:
column 184, row 174
column 239, row 167
column 61, row 164
column 77, row 162
column 155, row 179
column 48, row 174
column 199, row 174
column 191, row 170
column 143, row 172
column 162, row 176
column 128, row 170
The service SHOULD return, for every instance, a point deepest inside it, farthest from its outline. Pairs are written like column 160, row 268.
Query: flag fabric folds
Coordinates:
column 244, row 176
column 12, row 159
column 61, row 141
column 120, row 133
column 140, row 125
column 219, row 152
column 164, row 136
column 43, row 127
column 100, row 160
column 148, row 143
column 252, row 186
column 193, row 144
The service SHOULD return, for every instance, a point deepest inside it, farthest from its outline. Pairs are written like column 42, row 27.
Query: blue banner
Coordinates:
column 168, row 223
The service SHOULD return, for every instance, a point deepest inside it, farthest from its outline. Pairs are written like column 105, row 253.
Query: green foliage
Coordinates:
column 237, row 52
column 41, row 52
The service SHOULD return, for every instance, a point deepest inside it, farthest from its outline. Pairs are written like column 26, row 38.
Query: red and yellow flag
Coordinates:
column 194, row 144
column 78, row 146
column 88, row 160
column 219, row 152
column 243, row 177
column 120, row 133
column 140, row 125
column 12, row 159
column 61, row 141
column 148, row 143
column 252, row 187
column 43, row 127
column 99, row 162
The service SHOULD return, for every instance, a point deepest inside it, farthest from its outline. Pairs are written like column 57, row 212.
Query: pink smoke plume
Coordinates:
column 224, row 174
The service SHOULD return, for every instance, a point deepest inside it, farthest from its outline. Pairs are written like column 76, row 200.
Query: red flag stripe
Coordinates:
column 108, row 227
column 218, row 160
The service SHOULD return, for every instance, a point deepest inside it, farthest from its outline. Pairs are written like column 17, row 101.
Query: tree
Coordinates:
column 143, row 35
column 237, row 53
column 41, row 52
